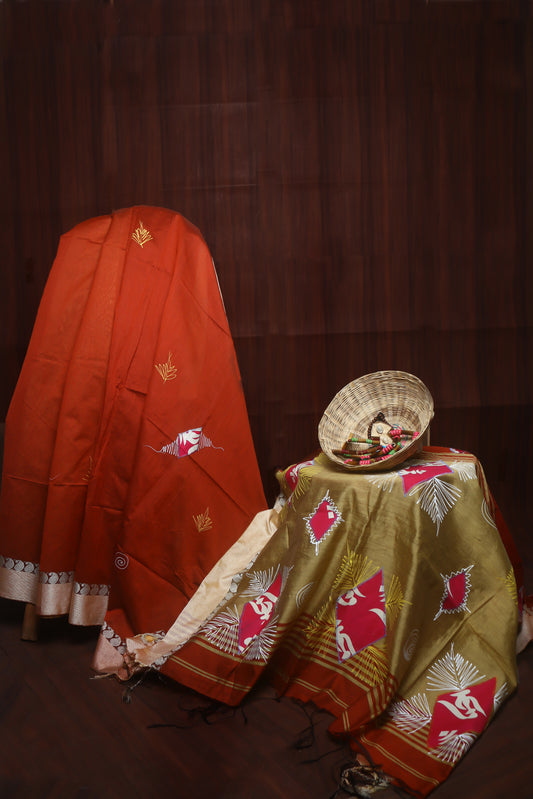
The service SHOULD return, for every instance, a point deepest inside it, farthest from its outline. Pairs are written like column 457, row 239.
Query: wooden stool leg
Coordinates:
column 29, row 623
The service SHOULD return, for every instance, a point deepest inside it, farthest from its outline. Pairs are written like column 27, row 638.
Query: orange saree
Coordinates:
column 129, row 466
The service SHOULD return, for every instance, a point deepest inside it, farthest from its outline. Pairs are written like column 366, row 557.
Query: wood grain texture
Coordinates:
column 361, row 171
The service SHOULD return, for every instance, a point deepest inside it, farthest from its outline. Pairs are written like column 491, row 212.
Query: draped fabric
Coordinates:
column 388, row 599
column 129, row 466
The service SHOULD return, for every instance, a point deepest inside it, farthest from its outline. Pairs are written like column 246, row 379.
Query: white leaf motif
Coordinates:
column 223, row 631
column 452, row 673
column 411, row 714
column 487, row 515
column 259, row 648
column 453, row 745
column 436, row 498
column 466, row 470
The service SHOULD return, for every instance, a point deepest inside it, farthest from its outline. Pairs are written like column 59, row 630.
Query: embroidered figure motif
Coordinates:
column 423, row 477
column 354, row 569
column 456, row 590
column 320, row 523
column 360, row 617
column 167, row 370
column 203, row 521
column 459, row 715
column 258, row 612
column 370, row 664
column 298, row 479
column 465, row 705
column 186, row 443
column 141, row 235
column 422, row 472
column 292, row 474
column 252, row 633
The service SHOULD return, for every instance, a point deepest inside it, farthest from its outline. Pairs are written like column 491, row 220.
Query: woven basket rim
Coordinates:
column 402, row 394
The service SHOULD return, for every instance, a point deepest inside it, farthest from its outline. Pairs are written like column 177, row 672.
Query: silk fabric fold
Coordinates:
column 389, row 599
column 129, row 466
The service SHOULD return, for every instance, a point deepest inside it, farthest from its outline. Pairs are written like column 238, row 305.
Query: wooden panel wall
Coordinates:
column 361, row 171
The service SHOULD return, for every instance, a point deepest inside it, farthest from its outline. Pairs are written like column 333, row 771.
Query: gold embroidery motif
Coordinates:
column 203, row 521
column 510, row 584
column 395, row 601
column 141, row 236
column 371, row 665
column 167, row 370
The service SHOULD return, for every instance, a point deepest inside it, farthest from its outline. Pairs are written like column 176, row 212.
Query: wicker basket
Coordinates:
column 400, row 396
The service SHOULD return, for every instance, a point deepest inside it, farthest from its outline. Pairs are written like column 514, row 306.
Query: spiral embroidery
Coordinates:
column 121, row 561
column 411, row 644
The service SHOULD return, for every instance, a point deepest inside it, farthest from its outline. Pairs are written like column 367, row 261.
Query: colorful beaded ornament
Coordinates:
column 390, row 438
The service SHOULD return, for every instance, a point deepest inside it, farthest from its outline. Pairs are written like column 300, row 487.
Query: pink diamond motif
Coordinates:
column 462, row 711
column 257, row 613
column 413, row 475
column 325, row 517
column 360, row 617
column 292, row 475
column 456, row 590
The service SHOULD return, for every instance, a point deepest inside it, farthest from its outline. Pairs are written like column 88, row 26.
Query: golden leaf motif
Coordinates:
column 320, row 633
column 395, row 601
column 141, row 236
column 510, row 584
column 203, row 521
column 371, row 665
column 167, row 370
